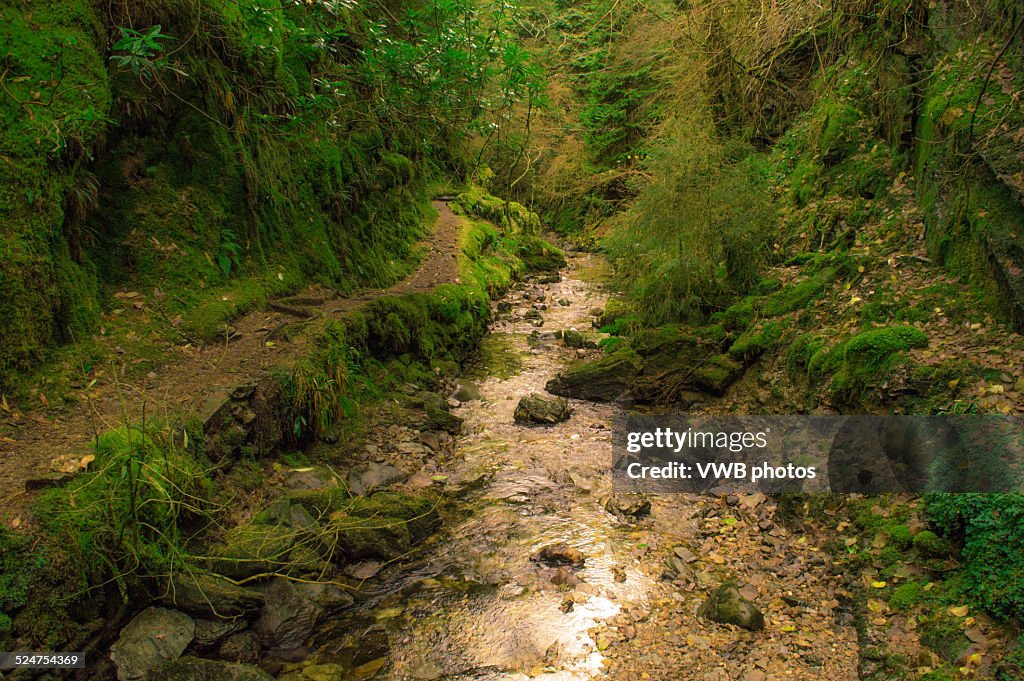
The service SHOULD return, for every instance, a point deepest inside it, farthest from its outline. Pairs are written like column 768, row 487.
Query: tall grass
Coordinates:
column 699, row 231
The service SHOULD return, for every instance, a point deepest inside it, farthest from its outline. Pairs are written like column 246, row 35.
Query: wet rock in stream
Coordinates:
column 538, row 409
column 560, row 554
column 630, row 508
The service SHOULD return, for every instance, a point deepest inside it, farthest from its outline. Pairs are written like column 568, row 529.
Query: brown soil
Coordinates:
column 34, row 446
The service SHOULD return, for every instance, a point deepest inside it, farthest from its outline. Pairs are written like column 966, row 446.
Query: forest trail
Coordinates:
column 37, row 446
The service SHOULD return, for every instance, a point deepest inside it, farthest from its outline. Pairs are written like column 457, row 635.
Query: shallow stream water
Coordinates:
column 475, row 603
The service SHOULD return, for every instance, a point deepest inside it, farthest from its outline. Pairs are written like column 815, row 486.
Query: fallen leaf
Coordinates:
column 959, row 611
column 878, row 585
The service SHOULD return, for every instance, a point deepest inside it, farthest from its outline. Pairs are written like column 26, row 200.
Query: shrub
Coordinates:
column 992, row 558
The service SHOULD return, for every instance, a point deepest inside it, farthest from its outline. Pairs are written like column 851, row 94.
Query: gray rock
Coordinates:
column 199, row 669
column 537, row 408
column 685, row 554
column 728, row 606
column 151, row 638
column 412, row 449
column 364, row 570
column 431, row 440
column 466, row 391
column 288, row 618
column 440, row 419
column 371, row 476
column 294, row 609
column 311, row 478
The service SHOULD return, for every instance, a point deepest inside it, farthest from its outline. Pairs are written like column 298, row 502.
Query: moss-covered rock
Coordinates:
column 868, row 355
column 536, row 408
column 357, row 538
column 727, row 606
column 441, row 419
column 417, row 511
column 931, row 544
column 250, row 550
column 203, row 594
column 602, row 380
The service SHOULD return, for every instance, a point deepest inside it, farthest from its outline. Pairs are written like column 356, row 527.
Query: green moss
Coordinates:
column 992, row 558
column 866, row 357
column 755, row 341
column 250, row 550
column 906, row 596
column 930, row 544
column 900, row 535
column 513, row 217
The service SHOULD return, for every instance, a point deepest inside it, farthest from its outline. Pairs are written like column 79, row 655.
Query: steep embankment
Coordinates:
column 209, row 155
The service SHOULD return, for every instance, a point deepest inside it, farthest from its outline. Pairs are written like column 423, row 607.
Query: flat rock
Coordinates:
column 370, row 476
column 364, row 570
column 151, row 638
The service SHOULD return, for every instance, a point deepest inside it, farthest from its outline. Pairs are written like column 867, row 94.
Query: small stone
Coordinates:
column 364, row 570
column 560, row 554
column 536, row 408
column 685, row 554
column 727, row 606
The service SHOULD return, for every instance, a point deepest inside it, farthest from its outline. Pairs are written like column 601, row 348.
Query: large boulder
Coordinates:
column 603, row 380
column 151, row 638
column 537, row 408
column 682, row 360
column 203, row 594
column 728, row 606
column 199, row 669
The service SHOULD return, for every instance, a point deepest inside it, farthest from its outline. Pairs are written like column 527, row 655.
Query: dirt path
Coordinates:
column 30, row 445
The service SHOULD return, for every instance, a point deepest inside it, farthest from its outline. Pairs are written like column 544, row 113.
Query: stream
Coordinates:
column 475, row 603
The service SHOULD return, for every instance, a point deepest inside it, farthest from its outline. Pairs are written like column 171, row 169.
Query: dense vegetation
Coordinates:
column 807, row 205
column 177, row 146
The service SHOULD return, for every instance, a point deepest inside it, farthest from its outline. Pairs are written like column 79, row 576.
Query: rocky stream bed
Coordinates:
column 539, row 570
